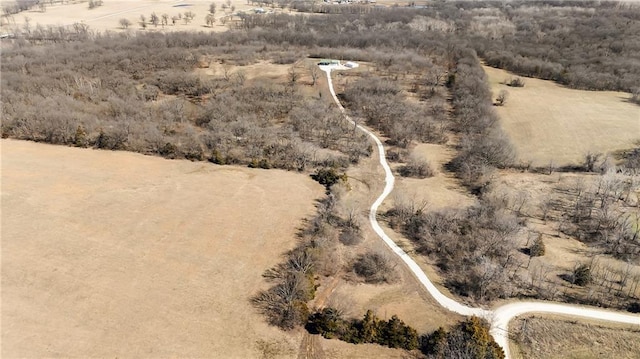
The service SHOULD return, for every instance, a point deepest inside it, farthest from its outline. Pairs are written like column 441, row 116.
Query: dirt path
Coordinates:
column 499, row 317
column 310, row 347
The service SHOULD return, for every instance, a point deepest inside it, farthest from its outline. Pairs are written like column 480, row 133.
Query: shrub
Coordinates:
column 502, row 98
column 374, row 268
column 350, row 236
column 515, row 82
column 417, row 168
column 582, row 275
column 538, row 248
column 328, row 322
column 328, row 177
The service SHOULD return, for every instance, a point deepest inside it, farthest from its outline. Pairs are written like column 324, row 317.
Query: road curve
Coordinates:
column 505, row 313
column 501, row 316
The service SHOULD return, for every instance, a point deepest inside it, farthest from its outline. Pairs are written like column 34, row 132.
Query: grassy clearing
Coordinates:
column 549, row 123
column 118, row 254
column 561, row 339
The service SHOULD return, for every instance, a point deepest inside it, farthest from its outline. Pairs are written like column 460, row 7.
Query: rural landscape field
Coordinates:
column 305, row 179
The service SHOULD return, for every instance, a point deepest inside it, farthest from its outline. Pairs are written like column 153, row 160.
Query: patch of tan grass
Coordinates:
column 547, row 122
column 440, row 191
column 544, row 338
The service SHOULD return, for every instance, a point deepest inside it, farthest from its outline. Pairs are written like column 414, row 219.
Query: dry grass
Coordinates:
column 440, row 191
column 113, row 254
column 547, row 122
column 107, row 16
column 560, row 339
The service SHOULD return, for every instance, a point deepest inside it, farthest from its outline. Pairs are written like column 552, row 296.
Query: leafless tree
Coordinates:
column 293, row 75
column 315, row 73
column 590, row 160
column 154, row 19
column 545, row 206
column 125, row 23
column 188, row 16
column 210, row 19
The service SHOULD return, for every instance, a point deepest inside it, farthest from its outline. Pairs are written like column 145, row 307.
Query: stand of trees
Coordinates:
column 140, row 94
column 473, row 247
column 380, row 102
column 483, row 146
column 468, row 339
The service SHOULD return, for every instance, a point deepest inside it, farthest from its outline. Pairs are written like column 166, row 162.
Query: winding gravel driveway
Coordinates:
column 502, row 315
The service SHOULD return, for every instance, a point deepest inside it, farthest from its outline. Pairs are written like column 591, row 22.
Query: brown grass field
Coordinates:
column 547, row 122
column 540, row 337
column 115, row 254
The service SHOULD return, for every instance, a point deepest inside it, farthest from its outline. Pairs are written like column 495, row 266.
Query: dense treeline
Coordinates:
column 467, row 339
column 593, row 46
column 483, row 146
column 563, row 42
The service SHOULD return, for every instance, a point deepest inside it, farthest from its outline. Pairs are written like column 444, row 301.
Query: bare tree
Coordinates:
column 210, row 19
column 27, row 25
column 546, row 205
column 125, row 23
column 590, row 160
column 315, row 73
column 188, row 16
column 293, row 75
column 154, row 19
